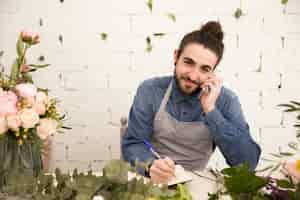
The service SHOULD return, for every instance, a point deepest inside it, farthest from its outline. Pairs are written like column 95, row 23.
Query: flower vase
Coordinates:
column 15, row 158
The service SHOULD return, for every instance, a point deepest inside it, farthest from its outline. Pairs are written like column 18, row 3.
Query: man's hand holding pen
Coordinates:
column 162, row 170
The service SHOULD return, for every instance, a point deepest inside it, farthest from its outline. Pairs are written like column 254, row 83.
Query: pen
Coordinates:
column 150, row 147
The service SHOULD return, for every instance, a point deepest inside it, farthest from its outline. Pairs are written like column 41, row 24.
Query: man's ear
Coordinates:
column 175, row 56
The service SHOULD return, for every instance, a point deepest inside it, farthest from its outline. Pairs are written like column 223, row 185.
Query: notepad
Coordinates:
column 181, row 176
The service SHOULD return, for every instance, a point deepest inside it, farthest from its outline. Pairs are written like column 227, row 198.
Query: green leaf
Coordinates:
column 150, row 5
column 149, row 44
column 39, row 66
column 295, row 102
column 284, row 2
column 276, row 167
column 291, row 110
column 238, row 13
column 234, row 176
column 159, row 34
column 285, row 184
column 103, row 36
column 286, row 153
column 66, row 127
column 287, row 105
column 294, row 146
column 20, row 47
column 60, row 39
column 171, row 16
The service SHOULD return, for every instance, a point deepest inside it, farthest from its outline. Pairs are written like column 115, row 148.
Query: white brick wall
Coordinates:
column 96, row 80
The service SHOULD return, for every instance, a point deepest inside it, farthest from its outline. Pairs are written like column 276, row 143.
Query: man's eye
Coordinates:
column 206, row 69
column 188, row 62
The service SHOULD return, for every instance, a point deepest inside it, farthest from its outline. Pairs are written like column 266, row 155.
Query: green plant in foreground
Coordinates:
column 112, row 185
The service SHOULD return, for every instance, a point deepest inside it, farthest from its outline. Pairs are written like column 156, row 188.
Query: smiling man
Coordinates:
column 187, row 115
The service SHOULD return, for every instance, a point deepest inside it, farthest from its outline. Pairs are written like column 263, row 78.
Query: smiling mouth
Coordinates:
column 190, row 82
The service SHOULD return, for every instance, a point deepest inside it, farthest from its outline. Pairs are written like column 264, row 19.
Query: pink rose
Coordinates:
column 26, row 90
column 13, row 122
column 46, row 128
column 30, row 37
column 24, row 68
column 8, row 103
column 3, row 125
column 29, row 118
column 39, row 108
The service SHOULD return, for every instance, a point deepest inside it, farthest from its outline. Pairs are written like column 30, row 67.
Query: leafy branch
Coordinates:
column 242, row 184
column 293, row 106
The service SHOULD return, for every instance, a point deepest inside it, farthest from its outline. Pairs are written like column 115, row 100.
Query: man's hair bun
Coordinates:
column 213, row 29
column 210, row 35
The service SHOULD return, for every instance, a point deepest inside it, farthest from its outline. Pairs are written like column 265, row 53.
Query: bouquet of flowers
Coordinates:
column 28, row 116
column 241, row 183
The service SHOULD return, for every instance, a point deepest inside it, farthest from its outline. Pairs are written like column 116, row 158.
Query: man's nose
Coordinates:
column 194, row 75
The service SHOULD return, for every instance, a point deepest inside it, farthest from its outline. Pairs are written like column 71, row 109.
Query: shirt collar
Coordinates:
column 178, row 96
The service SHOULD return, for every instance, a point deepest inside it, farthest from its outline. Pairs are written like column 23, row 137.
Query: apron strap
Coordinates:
column 166, row 98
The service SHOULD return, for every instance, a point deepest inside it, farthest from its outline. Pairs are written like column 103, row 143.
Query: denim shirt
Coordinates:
column 227, row 125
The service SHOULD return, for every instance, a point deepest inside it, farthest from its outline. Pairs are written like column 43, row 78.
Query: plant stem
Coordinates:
column 21, row 61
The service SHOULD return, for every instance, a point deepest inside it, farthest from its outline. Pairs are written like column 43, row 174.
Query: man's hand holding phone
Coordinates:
column 211, row 89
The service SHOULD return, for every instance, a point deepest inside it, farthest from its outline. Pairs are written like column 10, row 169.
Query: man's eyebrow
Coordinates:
column 189, row 59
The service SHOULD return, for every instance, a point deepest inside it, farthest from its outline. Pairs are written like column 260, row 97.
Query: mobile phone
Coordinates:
column 206, row 89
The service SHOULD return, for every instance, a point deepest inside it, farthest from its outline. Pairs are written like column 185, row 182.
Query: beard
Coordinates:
column 186, row 89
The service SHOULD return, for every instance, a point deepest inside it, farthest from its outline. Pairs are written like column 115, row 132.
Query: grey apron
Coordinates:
column 187, row 143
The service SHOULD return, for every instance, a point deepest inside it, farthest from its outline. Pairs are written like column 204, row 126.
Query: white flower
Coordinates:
column 29, row 118
column 41, row 97
column 46, row 127
column 3, row 125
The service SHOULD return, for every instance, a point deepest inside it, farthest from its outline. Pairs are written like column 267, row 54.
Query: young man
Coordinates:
column 185, row 116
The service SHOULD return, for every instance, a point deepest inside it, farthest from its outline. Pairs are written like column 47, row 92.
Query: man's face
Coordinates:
column 193, row 67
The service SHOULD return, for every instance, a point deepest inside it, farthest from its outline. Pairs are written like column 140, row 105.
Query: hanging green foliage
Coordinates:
column 171, row 16
column 149, row 44
column 150, row 5
column 238, row 13
column 103, row 36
